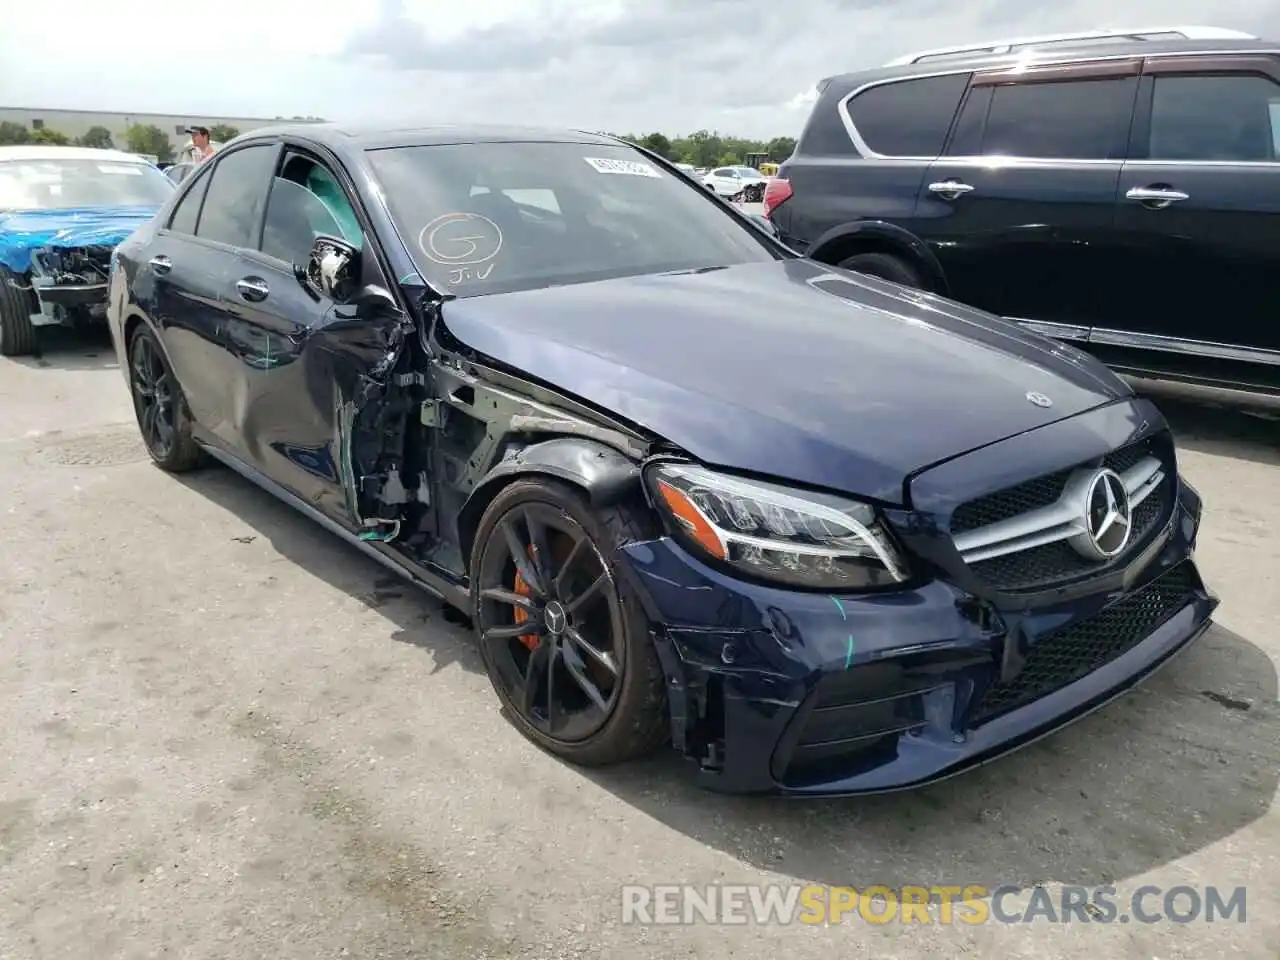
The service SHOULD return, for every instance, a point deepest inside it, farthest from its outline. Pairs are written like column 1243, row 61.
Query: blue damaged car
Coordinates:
column 63, row 210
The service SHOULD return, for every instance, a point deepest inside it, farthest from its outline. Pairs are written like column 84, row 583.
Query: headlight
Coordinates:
column 795, row 537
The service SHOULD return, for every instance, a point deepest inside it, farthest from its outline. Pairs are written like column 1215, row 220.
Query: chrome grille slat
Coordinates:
column 1060, row 520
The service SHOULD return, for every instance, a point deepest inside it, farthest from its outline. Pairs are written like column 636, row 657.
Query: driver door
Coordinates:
column 305, row 369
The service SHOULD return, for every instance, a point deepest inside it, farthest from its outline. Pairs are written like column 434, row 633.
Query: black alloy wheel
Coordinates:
column 160, row 406
column 564, row 641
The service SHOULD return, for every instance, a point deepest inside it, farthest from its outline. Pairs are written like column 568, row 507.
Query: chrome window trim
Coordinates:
column 1012, row 60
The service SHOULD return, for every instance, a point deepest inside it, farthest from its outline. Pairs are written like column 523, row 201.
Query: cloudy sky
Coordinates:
column 621, row 65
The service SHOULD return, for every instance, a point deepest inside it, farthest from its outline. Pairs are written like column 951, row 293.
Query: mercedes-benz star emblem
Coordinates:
column 1039, row 399
column 554, row 617
column 1106, row 516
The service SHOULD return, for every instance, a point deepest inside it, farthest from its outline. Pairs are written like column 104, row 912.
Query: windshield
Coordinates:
column 498, row 217
column 65, row 184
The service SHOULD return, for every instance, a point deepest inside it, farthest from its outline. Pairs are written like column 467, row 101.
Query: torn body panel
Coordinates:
column 485, row 428
column 64, row 258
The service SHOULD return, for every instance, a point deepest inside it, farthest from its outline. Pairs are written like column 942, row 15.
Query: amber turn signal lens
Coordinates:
column 684, row 510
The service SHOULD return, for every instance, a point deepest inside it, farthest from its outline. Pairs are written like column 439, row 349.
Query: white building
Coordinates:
column 76, row 123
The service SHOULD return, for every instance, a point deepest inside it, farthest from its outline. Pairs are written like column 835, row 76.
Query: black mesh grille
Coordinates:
column 1062, row 658
column 1054, row 563
column 1040, row 492
column 1057, row 562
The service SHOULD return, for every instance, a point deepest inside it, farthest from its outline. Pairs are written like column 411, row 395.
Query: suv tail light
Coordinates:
column 776, row 192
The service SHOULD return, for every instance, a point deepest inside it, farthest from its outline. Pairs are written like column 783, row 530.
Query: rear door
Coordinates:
column 1020, row 210
column 862, row 156
column 200, row 322
column 1200, row 217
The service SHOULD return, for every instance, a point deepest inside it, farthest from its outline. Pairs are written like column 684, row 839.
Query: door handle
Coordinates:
column 950, row 189
column 253, row 289
column 1156, row 197
column 161, row 264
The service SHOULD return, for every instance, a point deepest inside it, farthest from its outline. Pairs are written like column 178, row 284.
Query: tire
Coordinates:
column 636, row 722
column 17, row 332
column 885, row 266
column 173, row 449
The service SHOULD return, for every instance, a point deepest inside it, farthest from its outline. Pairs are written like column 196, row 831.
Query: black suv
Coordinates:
column 1119, row 192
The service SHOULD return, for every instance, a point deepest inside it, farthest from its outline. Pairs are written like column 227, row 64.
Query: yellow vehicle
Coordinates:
column 768, row 169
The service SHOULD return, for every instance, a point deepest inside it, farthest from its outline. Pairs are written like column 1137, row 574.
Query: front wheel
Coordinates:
column 563, row 637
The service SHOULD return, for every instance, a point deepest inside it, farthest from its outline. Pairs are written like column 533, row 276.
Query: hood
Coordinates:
column 28, row 230
column 790, row 369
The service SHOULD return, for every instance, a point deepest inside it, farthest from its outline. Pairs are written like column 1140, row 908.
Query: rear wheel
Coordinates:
column 17, row 332
column 885, row 266
column 160, row 407
column 562, row 635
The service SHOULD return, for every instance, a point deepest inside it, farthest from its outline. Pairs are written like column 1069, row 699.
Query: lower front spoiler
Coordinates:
column 936, row 753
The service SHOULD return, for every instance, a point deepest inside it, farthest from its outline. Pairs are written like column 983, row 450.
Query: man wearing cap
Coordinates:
column 200, row 148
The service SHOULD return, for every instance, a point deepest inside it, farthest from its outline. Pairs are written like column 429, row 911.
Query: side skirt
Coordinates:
column 443, row 589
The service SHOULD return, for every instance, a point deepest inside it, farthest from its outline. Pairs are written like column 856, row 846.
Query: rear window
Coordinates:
column 483, row 218
column 908, row 118
column 1064, row 120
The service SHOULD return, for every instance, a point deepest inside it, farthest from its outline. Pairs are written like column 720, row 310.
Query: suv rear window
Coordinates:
column 908, row 118
column 1066, row 120
column 1215, row 118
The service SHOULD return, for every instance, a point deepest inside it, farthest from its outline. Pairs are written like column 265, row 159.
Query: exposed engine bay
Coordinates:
column 70, row 283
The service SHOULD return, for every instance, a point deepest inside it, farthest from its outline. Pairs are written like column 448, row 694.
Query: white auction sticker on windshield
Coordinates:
column 630, row 168
column 128, row 169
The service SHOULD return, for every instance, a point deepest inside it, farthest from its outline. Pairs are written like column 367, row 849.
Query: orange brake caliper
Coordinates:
column 530, row 640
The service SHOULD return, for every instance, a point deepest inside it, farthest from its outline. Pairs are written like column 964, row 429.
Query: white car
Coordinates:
column 745, row 183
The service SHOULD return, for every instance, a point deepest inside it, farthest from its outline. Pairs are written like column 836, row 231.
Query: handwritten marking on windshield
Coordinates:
column 463, row 274
column 460, row 239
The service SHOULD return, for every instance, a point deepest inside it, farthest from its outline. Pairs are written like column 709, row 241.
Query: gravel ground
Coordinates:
column 230, row 735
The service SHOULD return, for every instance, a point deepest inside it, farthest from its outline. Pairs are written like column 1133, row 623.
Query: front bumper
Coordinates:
column 809, row 694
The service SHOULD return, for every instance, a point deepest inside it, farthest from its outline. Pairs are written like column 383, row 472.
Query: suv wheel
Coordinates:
column 886, row 267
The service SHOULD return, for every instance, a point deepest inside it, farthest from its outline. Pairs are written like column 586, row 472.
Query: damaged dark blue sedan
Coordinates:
column 821, row 533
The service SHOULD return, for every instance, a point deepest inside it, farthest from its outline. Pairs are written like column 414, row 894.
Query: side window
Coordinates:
column 909, row 118
column 966, row 138
column 1215, row 118
column 722, row 172
column 187, row 211
column 236, row 193
column 1064, row 120
column 306, row 201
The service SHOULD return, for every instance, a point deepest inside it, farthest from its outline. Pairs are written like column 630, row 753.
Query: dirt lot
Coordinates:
column 229, row 735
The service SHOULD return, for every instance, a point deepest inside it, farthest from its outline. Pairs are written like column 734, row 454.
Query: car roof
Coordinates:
column 44, row 151
column 369, row 136
column 1057, row 54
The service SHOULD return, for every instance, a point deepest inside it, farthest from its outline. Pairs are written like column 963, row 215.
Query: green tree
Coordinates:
column 222, row 132
column 148, row 138
column 658, row 144
column 780, row 148
column 13, row 133
column 45, row 135
column 99, row 137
